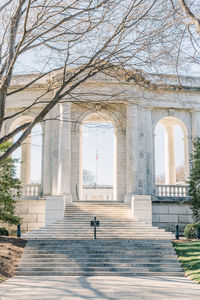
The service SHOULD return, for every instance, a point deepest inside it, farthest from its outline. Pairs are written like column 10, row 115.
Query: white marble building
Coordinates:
column 134, row 109
column 97, row 193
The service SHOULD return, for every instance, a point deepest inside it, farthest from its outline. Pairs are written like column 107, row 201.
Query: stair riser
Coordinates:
column 99, row 265
column 91, row 249
column 127, row 274
column 103, row 269
column 54, row 260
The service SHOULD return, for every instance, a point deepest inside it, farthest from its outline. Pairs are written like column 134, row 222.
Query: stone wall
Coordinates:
column 32, row 213
column 167, row 214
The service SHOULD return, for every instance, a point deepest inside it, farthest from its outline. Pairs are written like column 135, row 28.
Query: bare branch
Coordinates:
column 13, row 133
column 190, row 15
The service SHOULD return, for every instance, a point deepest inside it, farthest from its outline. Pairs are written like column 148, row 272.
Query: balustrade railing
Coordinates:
column 31, row 190
column 164, row 190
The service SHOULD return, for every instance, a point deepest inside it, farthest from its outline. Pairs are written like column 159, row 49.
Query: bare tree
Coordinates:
column 186, row 52
column 180, row 173
column 73, row 41
column 88, row 177
column 191, row 16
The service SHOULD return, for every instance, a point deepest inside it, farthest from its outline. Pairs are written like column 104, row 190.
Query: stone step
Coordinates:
column 106, row 252
column 102, row 273
column 102, row 227
column 102, row 224
column 86, row 225
column 110, row 242
column 103, row 238
column 102, row 268
column 70, row 245
column 81, row 259
column 99, row 264
column 96, row 257
column 93, row 247
column 106, row 231
column 103, row 235
column 70, row 237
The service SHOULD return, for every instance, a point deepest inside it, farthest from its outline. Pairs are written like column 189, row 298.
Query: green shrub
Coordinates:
column 4, row 231
column 190, row 230
column 10, row 188
column 194, row 180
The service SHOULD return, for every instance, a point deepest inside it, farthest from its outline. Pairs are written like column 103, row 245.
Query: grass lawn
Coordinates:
column 189, row 255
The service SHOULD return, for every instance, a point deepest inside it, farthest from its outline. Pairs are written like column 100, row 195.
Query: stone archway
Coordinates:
column 169, row 123
column 102, row 115
column 99, row 191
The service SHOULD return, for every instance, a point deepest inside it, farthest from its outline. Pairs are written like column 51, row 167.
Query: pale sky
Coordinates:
column 99, row 137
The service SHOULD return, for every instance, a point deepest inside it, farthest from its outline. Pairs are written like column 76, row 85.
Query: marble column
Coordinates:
column 46, row 160
column 131, row 151
column 186, row 156
column 195, row 124
column 64, row 156
column 26, row 161
column 119, row 164
column 149, row 183
column 170, row 167
column 59, row 165
column 76, row 162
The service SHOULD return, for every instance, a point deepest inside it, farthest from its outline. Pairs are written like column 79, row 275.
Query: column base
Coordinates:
column 55, row 207
column 141, row 207
column 127, row 199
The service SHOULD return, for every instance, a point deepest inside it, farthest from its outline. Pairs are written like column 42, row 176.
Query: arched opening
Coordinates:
column 171, row 152
column 36, row 154
column 98, row 161
column 28, row 164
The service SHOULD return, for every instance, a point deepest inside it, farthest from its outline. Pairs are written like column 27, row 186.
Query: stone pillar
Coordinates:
column 186, row 156
column 64, row 156
column 131, row 152
column 80, row 171
column 170, row 166
column 119, row 165
column 50, row 153
column 75, row 167
column 46, row 159
column 26, row 161
column 59, row 162
column 146, row 147
column 195, row 124
column 139, row 152
column 55, row 126
column 141, row 208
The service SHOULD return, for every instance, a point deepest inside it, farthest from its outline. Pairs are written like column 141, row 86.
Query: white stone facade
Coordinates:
column 134, row 110
column 99, row 193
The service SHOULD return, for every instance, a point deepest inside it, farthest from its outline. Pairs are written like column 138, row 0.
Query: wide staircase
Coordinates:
column 124, row 246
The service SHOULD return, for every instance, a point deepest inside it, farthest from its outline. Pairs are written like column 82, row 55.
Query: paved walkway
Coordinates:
column 98, row 287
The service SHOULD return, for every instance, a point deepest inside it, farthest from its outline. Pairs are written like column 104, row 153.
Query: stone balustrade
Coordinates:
column 31, row 190
column 164, row 190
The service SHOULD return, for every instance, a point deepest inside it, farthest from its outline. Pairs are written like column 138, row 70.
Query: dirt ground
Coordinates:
column 10, row 252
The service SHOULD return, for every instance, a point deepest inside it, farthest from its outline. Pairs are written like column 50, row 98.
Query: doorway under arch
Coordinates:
column 171, row 152
column 98, row 159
